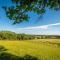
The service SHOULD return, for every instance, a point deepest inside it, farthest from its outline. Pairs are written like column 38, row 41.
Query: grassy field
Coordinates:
column 43, row 49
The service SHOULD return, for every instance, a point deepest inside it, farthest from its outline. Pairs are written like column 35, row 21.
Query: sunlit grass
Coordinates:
column 46, row 49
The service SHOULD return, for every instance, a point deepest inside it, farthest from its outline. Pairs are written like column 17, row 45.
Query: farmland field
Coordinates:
column 43, row 49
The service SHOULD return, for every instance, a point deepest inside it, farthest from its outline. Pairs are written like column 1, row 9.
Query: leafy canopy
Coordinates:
column 19, row 12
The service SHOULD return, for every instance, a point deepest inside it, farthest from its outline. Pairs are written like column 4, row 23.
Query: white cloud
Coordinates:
column 44, row 27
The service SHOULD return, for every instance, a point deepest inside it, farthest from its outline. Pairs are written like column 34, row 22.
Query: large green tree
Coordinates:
column 19, row 11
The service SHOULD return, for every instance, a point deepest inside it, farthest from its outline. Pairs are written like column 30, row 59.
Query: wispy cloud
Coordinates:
column 39, row 27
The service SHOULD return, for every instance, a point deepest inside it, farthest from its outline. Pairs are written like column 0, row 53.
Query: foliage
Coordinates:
column 7, row 35
column 19, row 11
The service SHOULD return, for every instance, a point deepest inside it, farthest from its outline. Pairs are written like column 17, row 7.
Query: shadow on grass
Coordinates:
column 7, row 56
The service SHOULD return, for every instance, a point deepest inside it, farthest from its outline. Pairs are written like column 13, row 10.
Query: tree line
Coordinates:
column 8, row 35
column 47, row 36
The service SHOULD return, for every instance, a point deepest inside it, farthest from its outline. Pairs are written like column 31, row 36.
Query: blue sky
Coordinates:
column 49, row 24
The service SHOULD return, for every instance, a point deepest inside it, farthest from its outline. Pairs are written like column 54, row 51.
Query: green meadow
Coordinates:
column 43, row 49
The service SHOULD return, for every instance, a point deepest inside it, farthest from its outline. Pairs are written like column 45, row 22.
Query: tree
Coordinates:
column 19, row 12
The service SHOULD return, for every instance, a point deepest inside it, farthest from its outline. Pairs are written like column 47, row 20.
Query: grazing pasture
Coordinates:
column 43, row 49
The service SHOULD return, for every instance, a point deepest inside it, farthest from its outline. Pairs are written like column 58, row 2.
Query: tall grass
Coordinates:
column 42, row 49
